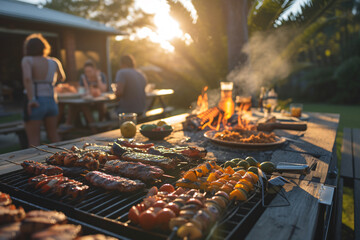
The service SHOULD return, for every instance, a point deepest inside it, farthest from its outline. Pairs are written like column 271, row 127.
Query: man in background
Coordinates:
column 130, row 87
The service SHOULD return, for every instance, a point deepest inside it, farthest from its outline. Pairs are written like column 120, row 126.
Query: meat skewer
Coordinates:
column 37, row 168
column 59, row 184
column 110, row 182
column 133, row 170
column 161, row 161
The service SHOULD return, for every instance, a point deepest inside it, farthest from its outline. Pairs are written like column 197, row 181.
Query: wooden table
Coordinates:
column 303, row 219
column 152, row 97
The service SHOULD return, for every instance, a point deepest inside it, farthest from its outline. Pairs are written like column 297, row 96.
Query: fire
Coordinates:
column 218, row 117
column 202, row 102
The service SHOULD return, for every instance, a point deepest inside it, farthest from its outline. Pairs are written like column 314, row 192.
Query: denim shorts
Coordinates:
column 47, row 108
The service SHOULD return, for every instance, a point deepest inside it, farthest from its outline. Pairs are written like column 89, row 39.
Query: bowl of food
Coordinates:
column 156, row 131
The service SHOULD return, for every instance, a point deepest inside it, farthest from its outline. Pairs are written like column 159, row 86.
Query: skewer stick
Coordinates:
column 41, row 149
column 12, row 162
column 61, row 148
column 168, row 176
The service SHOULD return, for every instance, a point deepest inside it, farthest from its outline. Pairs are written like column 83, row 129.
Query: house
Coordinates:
column 73, row 40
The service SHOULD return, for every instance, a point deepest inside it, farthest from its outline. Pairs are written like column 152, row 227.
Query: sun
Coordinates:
column 166, row 28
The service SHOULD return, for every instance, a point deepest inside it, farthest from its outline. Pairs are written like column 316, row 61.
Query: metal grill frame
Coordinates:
column 97, row 209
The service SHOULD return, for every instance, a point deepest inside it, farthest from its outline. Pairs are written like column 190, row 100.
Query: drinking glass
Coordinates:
column 123, row 117
column 296, row 109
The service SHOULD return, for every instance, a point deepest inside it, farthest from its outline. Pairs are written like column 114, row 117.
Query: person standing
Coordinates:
column 130, row 87
column 40, row 73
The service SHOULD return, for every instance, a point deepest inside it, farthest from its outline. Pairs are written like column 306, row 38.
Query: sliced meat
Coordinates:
column 10, row 231
column 161, row 161
column 133, row 170
column 58, row 232
column 38, row 220
column 37, row 168
column 9, row 214
column 111, row 183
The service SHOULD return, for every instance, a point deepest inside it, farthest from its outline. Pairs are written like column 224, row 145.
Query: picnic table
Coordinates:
column 109, row 98
column 304, row 218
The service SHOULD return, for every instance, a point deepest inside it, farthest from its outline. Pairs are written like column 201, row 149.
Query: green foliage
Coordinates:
column 348, row 81
column 206, row 56
column 113, row 12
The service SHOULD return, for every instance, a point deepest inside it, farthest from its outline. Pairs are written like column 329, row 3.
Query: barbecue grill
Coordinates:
column 108, row 211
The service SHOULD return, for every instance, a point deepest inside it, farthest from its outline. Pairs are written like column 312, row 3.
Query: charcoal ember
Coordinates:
column 10, row 214
column 58, row 232
column 38, row 220
column 192, row 123
column 10, row 231
column 96, row 237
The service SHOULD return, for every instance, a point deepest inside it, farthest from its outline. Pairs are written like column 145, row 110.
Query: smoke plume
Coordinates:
column 264, row 65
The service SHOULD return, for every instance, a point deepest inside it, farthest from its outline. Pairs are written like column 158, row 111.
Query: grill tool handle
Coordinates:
column 268, row 127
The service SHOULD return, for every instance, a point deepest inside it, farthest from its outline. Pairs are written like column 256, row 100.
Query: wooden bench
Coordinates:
column 18, row 128
column 350, row 176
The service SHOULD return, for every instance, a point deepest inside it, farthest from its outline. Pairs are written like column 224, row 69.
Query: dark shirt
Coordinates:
column 133, row 98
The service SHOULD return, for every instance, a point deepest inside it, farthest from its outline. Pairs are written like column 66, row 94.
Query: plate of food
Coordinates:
column 245, row 138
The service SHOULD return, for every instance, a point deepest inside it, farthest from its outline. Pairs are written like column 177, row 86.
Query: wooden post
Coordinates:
column 70, row 47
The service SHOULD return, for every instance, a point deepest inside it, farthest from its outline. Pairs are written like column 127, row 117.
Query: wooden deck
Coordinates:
column 315, row 147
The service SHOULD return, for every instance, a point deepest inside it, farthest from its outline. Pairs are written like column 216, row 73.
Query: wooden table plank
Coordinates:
column 296, row 221
column 346, row 155
column 356, row 152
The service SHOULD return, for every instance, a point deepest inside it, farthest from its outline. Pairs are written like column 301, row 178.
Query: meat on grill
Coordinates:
column 110, row 182
column 58, row 232
column 161, row 161
column 134, row 170
column 37, row 168
column 59, row 184
column 96, row 237
column 5, row 199
column 70, row 159
column 10, row 231
column 38, row 220
column 9, row 214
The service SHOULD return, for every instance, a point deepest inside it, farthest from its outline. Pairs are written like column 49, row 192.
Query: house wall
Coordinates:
column 72, row 46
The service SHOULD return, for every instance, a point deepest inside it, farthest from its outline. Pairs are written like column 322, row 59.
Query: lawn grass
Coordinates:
column 349, row 117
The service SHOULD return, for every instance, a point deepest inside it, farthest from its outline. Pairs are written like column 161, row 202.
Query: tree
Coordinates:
column 113, row 12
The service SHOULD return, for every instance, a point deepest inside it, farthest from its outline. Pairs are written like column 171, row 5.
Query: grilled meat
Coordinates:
column 119, row 150
column 10, row 231
column 166, row 152
column 96, row 237
column 38, row 220
column 70, row 159
column 150, row 159
column 9, row 214
column 5, row 199
column 110, row 182
column 191, row 151
column 37, row 168
column 95, row 147
column 133, row 170
column 60, row 232
column 59, row 184
column 131, row 144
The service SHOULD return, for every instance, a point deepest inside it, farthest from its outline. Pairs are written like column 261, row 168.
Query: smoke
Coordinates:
column 264, row 65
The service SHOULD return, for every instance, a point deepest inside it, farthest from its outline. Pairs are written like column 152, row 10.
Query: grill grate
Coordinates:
column 109, row 210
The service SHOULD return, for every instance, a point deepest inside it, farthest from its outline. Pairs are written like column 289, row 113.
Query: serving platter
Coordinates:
column 210, row 135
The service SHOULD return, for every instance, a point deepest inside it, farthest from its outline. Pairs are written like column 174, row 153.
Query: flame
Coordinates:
column 202, row 102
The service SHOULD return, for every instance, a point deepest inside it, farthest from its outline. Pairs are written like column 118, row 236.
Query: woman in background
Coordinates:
column 94, row 83
column 40, row 73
